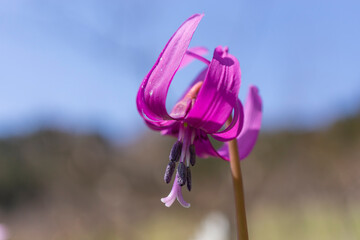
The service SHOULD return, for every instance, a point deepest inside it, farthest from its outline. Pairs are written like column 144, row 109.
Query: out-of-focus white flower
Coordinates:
column 215, row 226
column 4, row 234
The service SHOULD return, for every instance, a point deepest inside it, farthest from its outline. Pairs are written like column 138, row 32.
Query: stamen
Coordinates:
column 181, row 171
column 193, row 133
column 185, row 143
column 169, row 171
column 188, row 179
column 175, row 152
column 181, row 133
column 187, row 158
column 192, row 155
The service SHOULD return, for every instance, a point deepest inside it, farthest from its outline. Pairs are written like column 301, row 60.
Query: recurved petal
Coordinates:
column 152, row 94
column 246, row 139
column 190, row 55
column 252, row 123
column 234, row 129
column 159, row 126
column 218, row 94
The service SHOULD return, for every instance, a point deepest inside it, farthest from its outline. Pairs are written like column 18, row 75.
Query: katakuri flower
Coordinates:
column 203, row 109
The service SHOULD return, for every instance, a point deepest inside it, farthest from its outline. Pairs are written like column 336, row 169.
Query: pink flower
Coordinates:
column 203, row 109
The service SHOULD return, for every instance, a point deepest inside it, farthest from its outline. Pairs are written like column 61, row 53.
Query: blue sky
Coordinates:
column 78, row 64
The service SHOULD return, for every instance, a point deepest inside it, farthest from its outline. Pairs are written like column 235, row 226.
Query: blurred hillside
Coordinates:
column 299, row 185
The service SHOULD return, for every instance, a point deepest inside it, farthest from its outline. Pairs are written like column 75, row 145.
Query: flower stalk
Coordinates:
column 235, row 167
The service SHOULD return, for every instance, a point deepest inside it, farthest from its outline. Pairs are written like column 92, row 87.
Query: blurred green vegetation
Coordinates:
column 299, row 185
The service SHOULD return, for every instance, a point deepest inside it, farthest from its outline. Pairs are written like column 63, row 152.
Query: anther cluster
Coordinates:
column 183, row 154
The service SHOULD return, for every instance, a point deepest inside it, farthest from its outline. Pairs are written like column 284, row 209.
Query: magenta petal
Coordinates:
column 203, row 146
column 151, row 96
column 218, row 94
column 234, row 129
column 172, row 130
column 252, row 123
column 159, row 126
column 188, row 58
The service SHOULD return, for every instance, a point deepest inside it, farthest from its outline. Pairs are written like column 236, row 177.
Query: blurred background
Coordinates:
column 77, row 161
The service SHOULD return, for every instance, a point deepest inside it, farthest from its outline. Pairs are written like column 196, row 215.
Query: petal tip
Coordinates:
column 254, row 91
column 197, row 15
